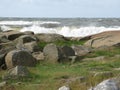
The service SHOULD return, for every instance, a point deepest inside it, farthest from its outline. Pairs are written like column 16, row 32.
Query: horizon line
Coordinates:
column 51, row 17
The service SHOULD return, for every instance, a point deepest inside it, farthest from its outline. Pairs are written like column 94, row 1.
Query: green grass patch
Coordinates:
column 62, row 43
column 69, row 43
column 109, row 52
column 52, row 76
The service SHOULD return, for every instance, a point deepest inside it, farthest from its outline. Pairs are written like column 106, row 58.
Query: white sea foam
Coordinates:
column 5, row 28
column 39, row 27
column 69, row 31
column 27, row 22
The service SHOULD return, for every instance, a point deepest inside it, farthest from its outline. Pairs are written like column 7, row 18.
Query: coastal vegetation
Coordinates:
column 84, row 68
column 80, row 76
column 62, row 43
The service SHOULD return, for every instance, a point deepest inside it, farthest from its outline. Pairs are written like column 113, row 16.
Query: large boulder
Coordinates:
column 6, row 47
column 110, row 84
column 32, row 46
column 26, row 42
column 56, row 54
column 67, row 51
column 49, row 37
column 2, row 61
column 3, row 38
column 81, row 50
column 19, row 57
column 27, row 38
column 110, row 38
column 68, row 54
column 52, row 53
column 12, row 35
column 29, row 33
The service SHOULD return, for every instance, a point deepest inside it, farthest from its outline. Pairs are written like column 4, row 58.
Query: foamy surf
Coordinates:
column 22, row 23
column 78, row 27
column 69, row 31
column 5, row 28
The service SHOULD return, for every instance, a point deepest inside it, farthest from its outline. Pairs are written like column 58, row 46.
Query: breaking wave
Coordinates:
column 69, row 31
column 65, row 27
column 5, row 28
column 22, row 23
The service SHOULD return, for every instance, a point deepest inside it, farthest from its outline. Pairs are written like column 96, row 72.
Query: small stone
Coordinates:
column 109, row 84
column 39, row 56
column 18, row 71
column 18, row 83
column 2, row 84
column 64, row 88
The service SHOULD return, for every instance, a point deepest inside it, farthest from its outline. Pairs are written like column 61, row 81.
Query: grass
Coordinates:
column 109, row 52
column 52, row 76
column 62, row 43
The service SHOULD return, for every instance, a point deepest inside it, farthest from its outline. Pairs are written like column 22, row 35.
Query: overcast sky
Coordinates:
column 60, row 8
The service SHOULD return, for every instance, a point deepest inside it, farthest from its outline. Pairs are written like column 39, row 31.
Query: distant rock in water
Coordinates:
column 50, row 25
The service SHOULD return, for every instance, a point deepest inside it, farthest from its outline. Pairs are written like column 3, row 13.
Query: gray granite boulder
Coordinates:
column 67, row 51
column 56, row 54
column 52, row 53
column 16, row 72
column 110, row 38
column 19, row 57
column 38, row 55
column 110, row 84
column 12, row 35
column 32, row 46
column 81, row 50
column 27, row 38
column 49, row 37
column 3, row 38
column 2, row 61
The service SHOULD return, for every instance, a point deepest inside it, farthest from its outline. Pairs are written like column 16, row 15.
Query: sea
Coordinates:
column 68, row 27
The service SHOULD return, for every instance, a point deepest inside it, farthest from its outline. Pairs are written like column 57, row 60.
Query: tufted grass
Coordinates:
column 106, row 52
column 62, row 43
column 52, row 76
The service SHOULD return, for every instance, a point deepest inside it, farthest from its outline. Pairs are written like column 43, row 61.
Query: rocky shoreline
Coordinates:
column 19, row 49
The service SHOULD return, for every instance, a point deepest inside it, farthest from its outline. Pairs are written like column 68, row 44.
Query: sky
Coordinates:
column 60, row 8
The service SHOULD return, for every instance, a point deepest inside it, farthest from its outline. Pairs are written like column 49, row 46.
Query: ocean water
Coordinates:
column 68, row 27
